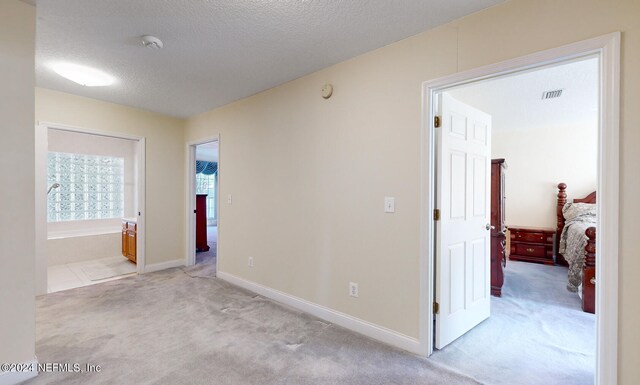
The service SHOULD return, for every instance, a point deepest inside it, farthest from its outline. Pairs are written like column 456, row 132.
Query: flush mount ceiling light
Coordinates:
column 152, row 42
column 86, row 76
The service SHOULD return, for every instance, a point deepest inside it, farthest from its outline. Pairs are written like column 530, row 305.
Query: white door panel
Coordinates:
column 479, row 187
column 458, row 185
column 462, row 239
column 457, row 273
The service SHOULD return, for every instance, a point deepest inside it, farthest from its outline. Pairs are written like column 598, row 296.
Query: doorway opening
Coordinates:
column 606, row 50
column 523, row 135
column 90, row 223
column 203, row 182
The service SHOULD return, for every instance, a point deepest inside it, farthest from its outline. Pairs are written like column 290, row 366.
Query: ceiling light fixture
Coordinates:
column 152, row 42
column 86, row 76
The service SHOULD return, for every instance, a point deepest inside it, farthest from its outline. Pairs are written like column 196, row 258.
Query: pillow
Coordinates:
column 574, row 210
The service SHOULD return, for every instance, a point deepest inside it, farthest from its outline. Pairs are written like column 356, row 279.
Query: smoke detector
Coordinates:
column 151, row 42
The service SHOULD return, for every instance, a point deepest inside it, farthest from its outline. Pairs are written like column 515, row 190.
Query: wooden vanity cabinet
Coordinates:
column 129, row 241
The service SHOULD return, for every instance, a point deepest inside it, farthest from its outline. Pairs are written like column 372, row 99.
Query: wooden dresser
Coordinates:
column 201, row 223
column 498, row 236
column 532, row 244
column 129, row 239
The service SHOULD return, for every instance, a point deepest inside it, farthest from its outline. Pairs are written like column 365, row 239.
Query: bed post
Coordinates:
column 589, row 273
column 562, row 199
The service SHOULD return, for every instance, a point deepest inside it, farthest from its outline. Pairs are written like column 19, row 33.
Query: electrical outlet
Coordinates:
column 250, row 263
column 353, row 289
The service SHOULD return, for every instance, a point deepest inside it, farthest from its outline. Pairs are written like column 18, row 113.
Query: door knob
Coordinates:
column 489, row 227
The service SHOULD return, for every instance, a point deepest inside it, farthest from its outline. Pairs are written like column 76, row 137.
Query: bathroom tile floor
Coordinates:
column 72, row 275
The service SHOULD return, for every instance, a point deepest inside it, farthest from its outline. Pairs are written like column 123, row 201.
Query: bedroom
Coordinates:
column 544, row 136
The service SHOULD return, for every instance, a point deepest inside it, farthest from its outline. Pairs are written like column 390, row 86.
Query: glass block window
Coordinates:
column 206, row 184
column 91, row 187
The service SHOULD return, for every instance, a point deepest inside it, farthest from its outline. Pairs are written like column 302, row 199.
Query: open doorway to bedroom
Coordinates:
column 539, row 132
column 203, row 203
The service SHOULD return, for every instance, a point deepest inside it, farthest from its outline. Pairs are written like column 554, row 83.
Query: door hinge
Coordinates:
column 436, row 214
column 436, row 121
column 436, row 308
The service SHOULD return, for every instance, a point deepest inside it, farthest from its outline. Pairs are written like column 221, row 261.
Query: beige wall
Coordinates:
column 540, row 158
column 17, row 197
column 165, row 169
column 308, row 175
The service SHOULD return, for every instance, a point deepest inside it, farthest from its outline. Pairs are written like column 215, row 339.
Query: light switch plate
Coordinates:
column 353, row 289
column 389, row 204
column 229, row 199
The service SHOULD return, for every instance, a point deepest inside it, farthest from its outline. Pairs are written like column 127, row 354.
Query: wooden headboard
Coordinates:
column 562, row 200
column 591, row 198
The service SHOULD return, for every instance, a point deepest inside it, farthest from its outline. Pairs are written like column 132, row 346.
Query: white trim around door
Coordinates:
column 607, row 49
column 191, row 198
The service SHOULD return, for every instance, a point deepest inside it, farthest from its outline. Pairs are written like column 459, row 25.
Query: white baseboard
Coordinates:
column 15, row 377
column 357, row 325
column 164, row 265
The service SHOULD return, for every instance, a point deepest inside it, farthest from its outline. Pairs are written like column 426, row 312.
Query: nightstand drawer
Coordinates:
column 531, row 250
column 522, row 236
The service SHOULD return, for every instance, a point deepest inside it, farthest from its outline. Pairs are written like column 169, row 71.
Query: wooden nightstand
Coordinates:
column 532, row 244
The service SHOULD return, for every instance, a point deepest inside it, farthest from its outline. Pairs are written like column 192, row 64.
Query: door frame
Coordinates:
column 607, row 49
column 41, row 135
column 191, row 199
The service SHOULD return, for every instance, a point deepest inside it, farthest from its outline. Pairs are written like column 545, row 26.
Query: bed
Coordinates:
column 576, row 243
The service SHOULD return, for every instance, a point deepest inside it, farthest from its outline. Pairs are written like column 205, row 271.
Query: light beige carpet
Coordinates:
column 108, row 267
column 537, row 333
column 180, row 326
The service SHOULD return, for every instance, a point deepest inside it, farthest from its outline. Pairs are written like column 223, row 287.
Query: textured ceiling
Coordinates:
column 515, row 102
column 216, row 52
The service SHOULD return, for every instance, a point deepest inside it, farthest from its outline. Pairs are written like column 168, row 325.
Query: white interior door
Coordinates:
column 462, row 234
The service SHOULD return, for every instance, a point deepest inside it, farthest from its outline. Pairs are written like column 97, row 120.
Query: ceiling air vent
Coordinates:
column 552, row 94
